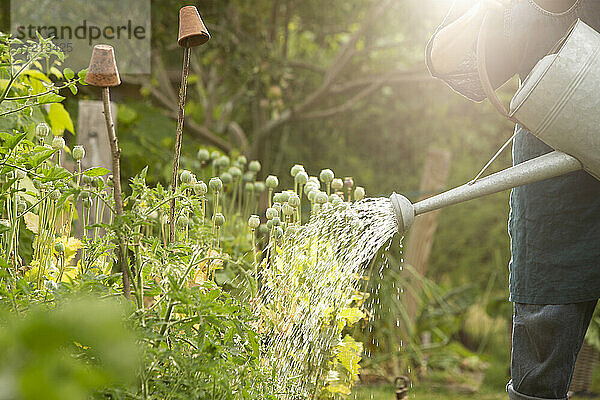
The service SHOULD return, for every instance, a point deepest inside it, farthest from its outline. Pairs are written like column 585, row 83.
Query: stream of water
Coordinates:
column 314, row 274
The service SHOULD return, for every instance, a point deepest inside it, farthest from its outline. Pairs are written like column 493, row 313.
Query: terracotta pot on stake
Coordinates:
column 192, row 32
column 103, row 73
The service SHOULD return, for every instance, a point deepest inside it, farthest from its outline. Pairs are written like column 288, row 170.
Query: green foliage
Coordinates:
column 196, row 339
column 211, row 348
column 24, row 87
column 70, row 351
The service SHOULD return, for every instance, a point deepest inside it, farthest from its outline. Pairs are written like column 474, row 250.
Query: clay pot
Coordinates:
column 103, row 70
column 192, row 31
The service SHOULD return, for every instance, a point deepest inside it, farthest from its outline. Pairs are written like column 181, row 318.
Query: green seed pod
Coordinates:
column 287, row 209
column 277, row 206
column 58, row 143
column 86, row 180
column 263, row 230
column 249, row 187
column 186, row 177
column 87, row 203
column 359, row 193
column 294, row 200
column 242, row 160
column 301, row 178
column 315, row 180
column 269, row 224
column 313, row 185
column 200, row 188
column 312, row 195
column 249, row 177
column 59, row 247
column 280, row 197
column 271, row 213
column 276, row 221
column 78, row 153
column 336, row 200
column 55, row 194
column 215, row 184
column 182, row 221
column 235, row 172
column 203, row 155
column 97, row 181
column 295, row 169
column 272, row 182
column 326, row 175
column 254, row 166
column 42, row 130
column 21, row 207
column 215, row 155
column 219, row 219
column 110, row 181
column 226, row 178
column 321, row 198
column 223, row 162
column 260, row 187
column 84, row 194
column 291, row 229
column 254, row 221
column 37, row 184
column 278, row 232
column 337, row 184
column 348, row 182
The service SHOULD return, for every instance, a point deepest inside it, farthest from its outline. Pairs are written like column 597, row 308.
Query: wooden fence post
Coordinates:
column 91, row 134
column 420, row 238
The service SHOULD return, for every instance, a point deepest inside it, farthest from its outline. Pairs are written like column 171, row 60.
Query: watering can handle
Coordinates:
column 482, row 69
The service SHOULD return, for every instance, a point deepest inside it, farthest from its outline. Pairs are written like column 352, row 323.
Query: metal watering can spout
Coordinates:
column 544, row 167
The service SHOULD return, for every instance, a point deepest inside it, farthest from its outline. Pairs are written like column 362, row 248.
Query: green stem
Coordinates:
column 139, row 276
column 97, row 217
column 182, row 280
column 215, row 211
column 232, row 205
column 255, row 261
column 300, row 206
column 61, row 257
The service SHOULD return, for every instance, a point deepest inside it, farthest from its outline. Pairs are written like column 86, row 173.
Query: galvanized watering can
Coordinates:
column 559, row 102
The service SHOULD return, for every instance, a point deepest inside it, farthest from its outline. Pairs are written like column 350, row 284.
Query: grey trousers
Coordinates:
column 545, row 343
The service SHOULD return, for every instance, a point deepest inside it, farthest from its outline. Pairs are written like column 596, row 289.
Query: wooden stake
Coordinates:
column 179, row 138
column 118, row 196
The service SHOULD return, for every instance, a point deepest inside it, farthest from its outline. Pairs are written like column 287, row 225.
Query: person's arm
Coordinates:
column 450, row 44
column 451, row 54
